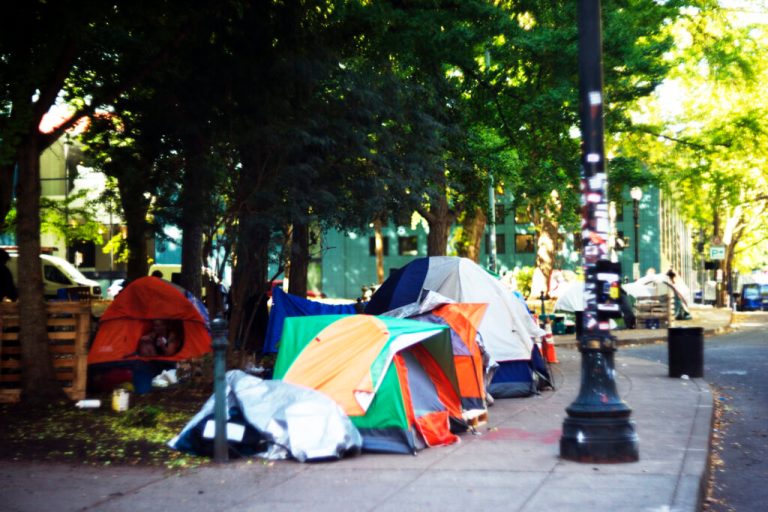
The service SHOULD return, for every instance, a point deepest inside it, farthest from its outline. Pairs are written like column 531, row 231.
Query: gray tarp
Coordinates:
column 290, row 420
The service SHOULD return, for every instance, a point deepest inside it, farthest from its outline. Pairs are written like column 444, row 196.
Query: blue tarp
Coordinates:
column 285, row 305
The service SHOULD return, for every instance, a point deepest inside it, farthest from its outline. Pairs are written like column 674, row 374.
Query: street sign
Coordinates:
column 717, row 252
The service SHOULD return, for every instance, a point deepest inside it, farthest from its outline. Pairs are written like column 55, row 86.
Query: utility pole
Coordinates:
column 597, row 428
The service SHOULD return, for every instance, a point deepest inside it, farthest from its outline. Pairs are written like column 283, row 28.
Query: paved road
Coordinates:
column 735, row 366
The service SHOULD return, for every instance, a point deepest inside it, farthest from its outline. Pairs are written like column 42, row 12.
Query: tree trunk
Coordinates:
column 297, row 278
column 379, row 250
column 440, row 218
column 722, row 289
column 39, row 384
column 472, row 231
column 135, row 211
column 249, row 284
column 249, row 278
column 548, row 241
column 192, row 257
column 437, row 240
column 194, row 207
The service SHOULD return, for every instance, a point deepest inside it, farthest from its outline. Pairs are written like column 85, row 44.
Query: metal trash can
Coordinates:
column 685, row 350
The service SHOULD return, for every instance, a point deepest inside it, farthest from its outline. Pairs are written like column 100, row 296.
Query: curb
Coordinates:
column 650, row 339
column 704, row 483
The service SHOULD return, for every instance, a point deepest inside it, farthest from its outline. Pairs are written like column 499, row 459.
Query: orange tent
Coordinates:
column 464, row 320
column 130, row 316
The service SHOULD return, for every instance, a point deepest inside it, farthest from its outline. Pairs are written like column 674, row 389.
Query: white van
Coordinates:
column 57, row 273
column 171, row 272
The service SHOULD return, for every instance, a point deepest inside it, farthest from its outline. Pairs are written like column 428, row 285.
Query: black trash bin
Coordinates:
column 685, row 350
column 579, row 324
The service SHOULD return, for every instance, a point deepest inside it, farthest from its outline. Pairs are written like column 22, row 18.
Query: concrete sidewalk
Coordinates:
column 512, row 464
column 712, row 320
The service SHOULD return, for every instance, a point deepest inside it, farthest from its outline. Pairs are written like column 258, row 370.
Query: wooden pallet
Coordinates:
column 476, row 417
column 653, row 308
column 69, row 327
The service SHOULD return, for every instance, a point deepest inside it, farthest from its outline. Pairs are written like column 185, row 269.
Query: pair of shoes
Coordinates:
column 166, row 378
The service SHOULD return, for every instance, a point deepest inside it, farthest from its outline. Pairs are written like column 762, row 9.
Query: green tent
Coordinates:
column 395, row 378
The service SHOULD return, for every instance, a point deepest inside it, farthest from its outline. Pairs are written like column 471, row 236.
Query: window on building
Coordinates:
column 501, row 244
column 524, row 244
column 500, row 214
column 372, row 246
column 407, row 246
column 522, row 214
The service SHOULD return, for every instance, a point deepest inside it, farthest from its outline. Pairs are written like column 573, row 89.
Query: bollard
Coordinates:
column 219, row 345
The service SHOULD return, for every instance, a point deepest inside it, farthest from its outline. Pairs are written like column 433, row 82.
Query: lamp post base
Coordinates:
column 599, row 440
column 598, row 428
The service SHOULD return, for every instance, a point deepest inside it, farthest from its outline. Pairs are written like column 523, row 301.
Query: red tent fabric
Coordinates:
column 130, row 316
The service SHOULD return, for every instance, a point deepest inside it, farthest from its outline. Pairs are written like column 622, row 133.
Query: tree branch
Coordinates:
column 696, row 145
column 51, row 88
column 110, row 96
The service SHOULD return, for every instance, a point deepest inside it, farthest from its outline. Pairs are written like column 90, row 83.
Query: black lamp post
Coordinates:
column 637, row 194
column 597, row 428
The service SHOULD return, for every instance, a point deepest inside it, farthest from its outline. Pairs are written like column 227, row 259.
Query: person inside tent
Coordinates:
column 164, row 339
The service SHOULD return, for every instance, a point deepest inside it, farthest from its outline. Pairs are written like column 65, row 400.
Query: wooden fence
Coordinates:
column 69, row 328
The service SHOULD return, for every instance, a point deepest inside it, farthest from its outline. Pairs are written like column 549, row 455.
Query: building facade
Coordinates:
column 664, row 239
column 347, row 263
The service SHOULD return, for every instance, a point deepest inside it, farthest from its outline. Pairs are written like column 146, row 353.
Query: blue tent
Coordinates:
column 285, row 305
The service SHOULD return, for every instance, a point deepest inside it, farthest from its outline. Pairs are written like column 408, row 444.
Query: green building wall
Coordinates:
column 348, row 263
column 649, row 221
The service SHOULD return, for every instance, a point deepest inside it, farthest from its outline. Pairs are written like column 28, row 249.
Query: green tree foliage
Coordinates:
column 521, row 102
column 704, row 134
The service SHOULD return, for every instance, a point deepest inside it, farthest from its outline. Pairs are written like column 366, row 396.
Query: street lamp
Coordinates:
column 598, row 428
column 636, row 193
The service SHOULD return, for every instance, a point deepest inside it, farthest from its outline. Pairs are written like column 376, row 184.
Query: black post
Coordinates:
column 219, row 345
column 597, row 428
